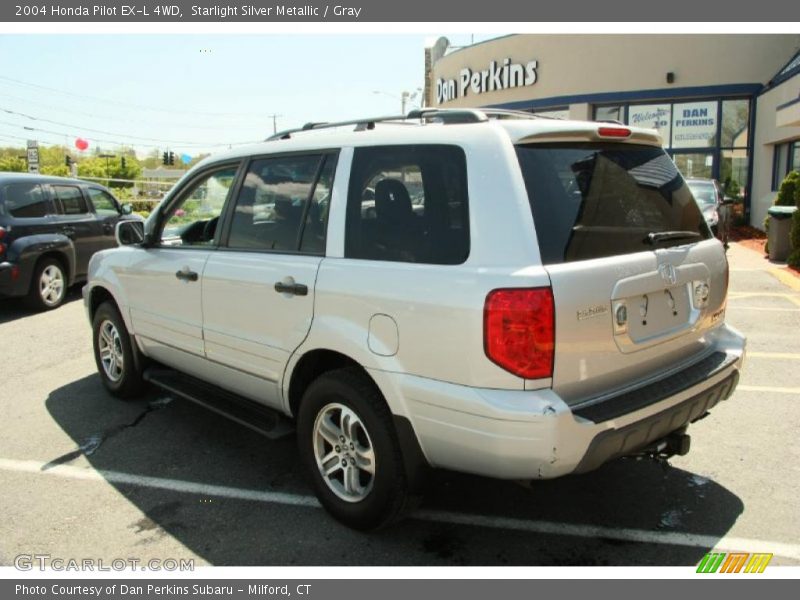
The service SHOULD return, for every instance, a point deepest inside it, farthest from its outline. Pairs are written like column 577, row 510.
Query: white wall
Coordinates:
column 768, row 134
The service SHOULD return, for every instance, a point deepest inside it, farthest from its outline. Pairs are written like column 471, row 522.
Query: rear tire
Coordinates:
column 350, row 450
column 48, row 285
column 119, row 367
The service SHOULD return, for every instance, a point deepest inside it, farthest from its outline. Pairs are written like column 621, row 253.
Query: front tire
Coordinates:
column 350, row 449
column 119, row 369
column 48, row 286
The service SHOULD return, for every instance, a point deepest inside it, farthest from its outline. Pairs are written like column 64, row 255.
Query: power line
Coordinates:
column 117, row 142
column 123, row 135
column 118, row 103
column 115, row 117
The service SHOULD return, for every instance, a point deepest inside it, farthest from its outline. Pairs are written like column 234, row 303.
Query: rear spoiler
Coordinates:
column 596, row 132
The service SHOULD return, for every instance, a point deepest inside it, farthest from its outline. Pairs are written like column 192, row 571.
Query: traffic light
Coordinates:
column 68, row 160
column 122, row 163
column 171, row 157
column 165, row 158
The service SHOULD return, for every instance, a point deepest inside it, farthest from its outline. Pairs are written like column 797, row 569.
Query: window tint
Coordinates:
column 315, row 229
column 103, row 203
column 596, row 200
column 409, row 204
column 273, row 202
column 71, row 199
column 193, row 220
column 26, row 200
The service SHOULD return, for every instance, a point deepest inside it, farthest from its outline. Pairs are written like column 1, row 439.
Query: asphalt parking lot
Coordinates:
column 87, row 476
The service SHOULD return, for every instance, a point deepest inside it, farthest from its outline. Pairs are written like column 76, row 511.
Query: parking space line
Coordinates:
column 786, row 278
column 775, row 355
column 725, row 543
column 768, row 388
column 762, row 308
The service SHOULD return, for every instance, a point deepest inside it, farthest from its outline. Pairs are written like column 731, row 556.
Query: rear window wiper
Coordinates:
column 659, row 236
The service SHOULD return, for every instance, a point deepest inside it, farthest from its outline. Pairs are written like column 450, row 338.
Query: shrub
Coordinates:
column 794, row 236
column 789, row 192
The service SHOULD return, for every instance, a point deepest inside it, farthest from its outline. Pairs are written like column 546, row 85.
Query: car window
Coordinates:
column 26, row 200
column 193, row 220
column 104, row 204
column 595, row 200
column 704, row 193
column 71, row 200
column 274, row 200
column 408, row 204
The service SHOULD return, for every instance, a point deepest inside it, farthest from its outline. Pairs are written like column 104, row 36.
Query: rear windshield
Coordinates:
column 594, row 200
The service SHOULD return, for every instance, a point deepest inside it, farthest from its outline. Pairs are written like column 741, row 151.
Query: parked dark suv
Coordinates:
column 49, row 229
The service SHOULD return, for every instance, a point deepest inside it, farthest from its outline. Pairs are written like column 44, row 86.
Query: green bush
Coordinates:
column 794, row 236
column 143, row 206
column 789, row 192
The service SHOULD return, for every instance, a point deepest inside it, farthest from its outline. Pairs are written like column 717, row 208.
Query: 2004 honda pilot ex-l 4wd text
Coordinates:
column 482, row 291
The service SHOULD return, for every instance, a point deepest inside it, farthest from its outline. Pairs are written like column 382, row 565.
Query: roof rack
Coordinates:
column 440, row 115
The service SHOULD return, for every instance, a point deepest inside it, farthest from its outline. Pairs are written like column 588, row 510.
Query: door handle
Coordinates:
column 294, row 289
column 68, row 231
column 108, row 229
column 186, row 275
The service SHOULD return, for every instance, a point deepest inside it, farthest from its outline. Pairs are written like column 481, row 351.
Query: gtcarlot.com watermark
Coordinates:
column 42, row 562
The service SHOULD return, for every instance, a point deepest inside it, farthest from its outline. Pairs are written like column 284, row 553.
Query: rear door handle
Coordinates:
column 68, row 231
column 186, row 275
column 294, row 289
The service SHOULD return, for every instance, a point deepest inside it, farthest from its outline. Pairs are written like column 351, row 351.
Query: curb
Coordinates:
column 786, row 277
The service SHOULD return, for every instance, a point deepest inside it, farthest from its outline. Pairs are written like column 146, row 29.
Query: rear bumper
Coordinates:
column 534, row 434
column 13, row 281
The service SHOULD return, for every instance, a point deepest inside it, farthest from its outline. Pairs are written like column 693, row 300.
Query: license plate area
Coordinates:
column 646, row 310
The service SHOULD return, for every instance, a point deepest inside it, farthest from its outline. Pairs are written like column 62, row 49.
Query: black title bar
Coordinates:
column 259, row 11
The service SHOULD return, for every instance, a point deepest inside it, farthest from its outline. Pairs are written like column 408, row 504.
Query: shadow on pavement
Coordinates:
column 174, row 439
column 12, row 309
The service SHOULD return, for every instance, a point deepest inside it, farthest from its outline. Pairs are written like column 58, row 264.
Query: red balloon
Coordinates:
column 81, row 144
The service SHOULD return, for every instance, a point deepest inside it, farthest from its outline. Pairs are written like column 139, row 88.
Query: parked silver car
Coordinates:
column 552, row 300
column 716, row 207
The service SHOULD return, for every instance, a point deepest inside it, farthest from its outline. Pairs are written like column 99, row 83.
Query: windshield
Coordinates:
column 591, row 200
column 703, row 192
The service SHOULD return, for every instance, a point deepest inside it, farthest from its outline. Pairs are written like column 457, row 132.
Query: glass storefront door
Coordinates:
column 695, row 164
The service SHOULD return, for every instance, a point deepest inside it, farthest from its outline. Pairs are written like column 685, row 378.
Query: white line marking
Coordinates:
column 767, row 388
column 762, row 308
column 175, row 485
column 725, row 543
column 774, row 355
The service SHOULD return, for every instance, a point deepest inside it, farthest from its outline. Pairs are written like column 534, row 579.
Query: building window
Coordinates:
column 786, row 158
column 694, row 124
column 610, row 113
column 552, row 113
column 652, row 116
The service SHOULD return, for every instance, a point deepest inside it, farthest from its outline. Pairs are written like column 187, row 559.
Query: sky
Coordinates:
column 194, row 93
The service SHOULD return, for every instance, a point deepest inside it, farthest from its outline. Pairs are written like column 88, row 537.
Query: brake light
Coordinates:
column 727, row 280
column 613, row 132
column 2, row 245
column 519, row 331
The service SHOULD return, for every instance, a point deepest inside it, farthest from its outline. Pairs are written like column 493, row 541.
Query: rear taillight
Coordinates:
column 2, row 245
column 613, row 132
column 519, row 331
column 727, row 279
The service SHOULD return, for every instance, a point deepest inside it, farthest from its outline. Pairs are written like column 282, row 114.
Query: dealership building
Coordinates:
column 727, row 106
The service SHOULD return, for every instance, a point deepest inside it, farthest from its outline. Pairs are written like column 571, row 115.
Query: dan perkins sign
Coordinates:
column 501, row 75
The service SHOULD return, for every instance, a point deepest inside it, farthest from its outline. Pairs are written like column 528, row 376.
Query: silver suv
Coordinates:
column 482, row 291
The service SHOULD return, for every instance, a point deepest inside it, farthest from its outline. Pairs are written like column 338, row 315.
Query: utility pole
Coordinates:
column 274, row 122
column 107, row 156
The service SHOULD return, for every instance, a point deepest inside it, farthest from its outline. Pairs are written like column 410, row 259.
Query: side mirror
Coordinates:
column 126, row 209
column 129, row 233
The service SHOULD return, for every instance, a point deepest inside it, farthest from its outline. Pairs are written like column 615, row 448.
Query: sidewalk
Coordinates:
column 743, row 259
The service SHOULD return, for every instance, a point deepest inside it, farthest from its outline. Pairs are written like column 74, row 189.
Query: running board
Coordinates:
column 259, row 418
